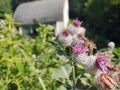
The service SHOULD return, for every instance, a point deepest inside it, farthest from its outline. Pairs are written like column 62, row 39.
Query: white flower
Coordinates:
column 65, row 38
column 111, row 45
column 34, row 56
column 80, row 58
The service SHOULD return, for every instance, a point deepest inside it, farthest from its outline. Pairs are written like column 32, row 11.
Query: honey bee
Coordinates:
column 90, row 46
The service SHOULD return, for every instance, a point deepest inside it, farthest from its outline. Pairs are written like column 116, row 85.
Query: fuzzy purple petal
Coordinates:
column 79, row 48
column 101, row 63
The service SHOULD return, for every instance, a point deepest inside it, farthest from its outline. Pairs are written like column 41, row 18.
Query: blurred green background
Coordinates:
column 100, row 17
column 39, row 63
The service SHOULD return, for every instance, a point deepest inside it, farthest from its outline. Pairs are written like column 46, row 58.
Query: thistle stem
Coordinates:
column 73, row 69
column 73, row 76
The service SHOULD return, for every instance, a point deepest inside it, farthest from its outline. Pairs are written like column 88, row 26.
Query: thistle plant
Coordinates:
column 105, row 72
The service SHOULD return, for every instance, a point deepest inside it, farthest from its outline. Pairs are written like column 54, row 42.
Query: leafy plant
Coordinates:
column 39, row 63
column 5, row 7
column 80, row 51
column 26, row 63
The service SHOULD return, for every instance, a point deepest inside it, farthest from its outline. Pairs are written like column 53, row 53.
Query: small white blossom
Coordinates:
column 33, row 56
column 111, row 45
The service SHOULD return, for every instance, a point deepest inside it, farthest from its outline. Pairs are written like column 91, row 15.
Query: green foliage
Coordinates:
column 63, row 72
column 31, row 63
column 116, row 58
column 26, row 63
column 5, row 7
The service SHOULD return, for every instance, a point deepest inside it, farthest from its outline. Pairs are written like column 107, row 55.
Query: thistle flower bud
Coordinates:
column 82, row 30
column 103, row 81
column 106, row 54
column 78, row 39
column 65, row 38
column 75, row 28
column 90, row 66
column 80, row 58
column 116, row 76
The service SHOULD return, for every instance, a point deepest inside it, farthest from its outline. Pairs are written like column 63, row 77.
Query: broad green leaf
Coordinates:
column 62, row 72
column 43, row 56
column 61, row 88
column 62, row 55
column 117, row 52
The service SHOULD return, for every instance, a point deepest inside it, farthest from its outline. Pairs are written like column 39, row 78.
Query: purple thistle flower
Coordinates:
column 101, row 63
column 79, row 48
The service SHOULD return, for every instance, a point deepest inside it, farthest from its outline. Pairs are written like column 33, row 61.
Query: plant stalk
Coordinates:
column 73, row 69
column 43, row 86
column 73, row 76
